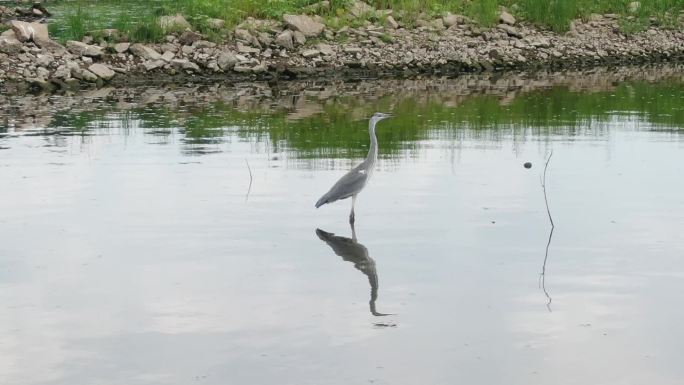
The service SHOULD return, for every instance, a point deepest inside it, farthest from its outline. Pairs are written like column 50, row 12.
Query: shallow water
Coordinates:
column 135, row 250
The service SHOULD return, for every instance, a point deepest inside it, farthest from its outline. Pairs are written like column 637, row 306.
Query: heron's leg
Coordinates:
column 351, row 215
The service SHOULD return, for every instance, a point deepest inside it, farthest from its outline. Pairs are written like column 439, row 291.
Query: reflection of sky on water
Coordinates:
column 124, row 261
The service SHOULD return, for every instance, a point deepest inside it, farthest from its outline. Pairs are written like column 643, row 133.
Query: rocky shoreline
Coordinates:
column 302, row 47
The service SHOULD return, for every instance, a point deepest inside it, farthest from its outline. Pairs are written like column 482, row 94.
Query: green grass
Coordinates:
column 139, row 20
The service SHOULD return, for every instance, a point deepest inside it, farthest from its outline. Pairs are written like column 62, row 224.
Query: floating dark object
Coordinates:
column 528, row 164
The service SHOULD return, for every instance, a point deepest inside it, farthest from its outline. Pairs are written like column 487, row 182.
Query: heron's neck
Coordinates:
column 373, row 150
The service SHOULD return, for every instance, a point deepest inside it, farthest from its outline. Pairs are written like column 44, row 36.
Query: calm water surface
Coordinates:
column 135, row 252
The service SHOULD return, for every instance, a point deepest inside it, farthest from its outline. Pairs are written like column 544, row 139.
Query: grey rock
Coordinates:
column 246, row 49
column 265, row 38
column 189, row 37
column 304, row 24
column 153, row 64
column 226, row 60
column 309, row 53
column 284, row 39
column 242, row 68
column 44, row 60
column 42, row 73
column 450, row 20
column 359, row 8
column 29, row 31
column 190, row 66
column 176, row 21
column 168, row 56
column 102, row 71
column 243, row 34
column 83, row 49
column 9, row 44
column 299, row 38
column 62, row 72
column 203, row 44
column 391, row 22
column 83, row 74
column 216, row 23
column 144, row 52
column 325, row 49
column 506, row 18
column 121, row 47
column 169, row 47
column 510, row 30
column 259, row 68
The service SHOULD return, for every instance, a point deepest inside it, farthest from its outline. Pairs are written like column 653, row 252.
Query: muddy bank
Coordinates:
column 301, row 47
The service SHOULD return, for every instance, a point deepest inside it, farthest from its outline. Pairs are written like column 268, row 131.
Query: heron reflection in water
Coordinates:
column 352, row 251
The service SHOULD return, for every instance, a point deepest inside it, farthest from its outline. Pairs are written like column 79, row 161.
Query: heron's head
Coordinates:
column 378, row 116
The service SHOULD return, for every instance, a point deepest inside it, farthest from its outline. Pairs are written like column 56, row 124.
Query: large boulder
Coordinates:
column 102, row 71
column 304, row 24
column 144, row 52
column 83, row 49
column 29, row 31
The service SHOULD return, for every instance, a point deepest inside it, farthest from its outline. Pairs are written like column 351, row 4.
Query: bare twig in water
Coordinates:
column 250, row 180
column 542, row 277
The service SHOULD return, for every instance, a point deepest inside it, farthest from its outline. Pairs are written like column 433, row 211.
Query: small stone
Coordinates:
column 391, row 22
column 102, row 71
column 309, row 53
column 506, row 18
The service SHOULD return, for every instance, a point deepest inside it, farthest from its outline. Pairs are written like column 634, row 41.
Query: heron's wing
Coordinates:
column 351, row 183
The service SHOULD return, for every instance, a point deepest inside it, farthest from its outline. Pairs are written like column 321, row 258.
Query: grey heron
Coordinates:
column 351, row 184
column 352, row 251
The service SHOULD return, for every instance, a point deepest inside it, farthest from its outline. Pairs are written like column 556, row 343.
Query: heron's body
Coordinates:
column 351, row 184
